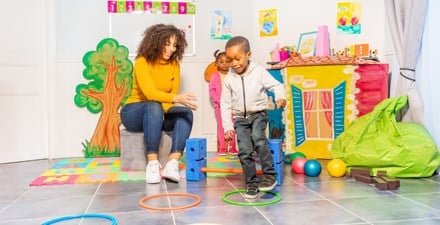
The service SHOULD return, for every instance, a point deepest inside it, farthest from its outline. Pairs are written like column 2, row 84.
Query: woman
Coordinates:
column 152, row 105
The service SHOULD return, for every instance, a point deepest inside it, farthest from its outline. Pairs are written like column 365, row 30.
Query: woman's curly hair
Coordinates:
column 155, row 40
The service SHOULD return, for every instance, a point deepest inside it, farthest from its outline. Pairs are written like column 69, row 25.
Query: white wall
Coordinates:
column 428, row 79
column 296, row 17
column 75, row 27
column 76, row 35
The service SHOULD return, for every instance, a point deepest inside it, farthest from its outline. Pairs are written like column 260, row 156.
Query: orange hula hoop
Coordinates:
column 197, row 199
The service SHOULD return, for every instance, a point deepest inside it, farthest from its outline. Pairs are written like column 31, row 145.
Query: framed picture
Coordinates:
column 307, row 43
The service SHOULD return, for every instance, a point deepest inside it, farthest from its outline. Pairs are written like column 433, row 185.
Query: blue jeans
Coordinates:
column 251, row 136
column 149, row 117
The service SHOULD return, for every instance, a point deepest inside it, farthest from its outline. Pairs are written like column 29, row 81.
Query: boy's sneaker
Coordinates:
column 152, row 174
column 222, row 151
column 268, row 182
column 233, row 151
column 251, row 191
column 171, row 170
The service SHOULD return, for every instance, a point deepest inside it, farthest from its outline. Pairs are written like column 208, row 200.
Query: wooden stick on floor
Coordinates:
column 225, row 170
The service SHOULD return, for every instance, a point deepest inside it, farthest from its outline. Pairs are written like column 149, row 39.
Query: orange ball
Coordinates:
column 336, row 168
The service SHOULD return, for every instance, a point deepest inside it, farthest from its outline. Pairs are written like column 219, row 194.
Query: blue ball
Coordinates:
column 312, row 168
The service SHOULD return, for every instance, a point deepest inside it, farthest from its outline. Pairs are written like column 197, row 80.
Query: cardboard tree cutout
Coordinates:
column 109, row 72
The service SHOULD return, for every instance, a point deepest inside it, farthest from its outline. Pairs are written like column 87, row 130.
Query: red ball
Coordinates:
column 298, row 165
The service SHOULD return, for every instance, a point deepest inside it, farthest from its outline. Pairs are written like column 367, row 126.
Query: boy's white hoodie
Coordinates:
column 245, row 94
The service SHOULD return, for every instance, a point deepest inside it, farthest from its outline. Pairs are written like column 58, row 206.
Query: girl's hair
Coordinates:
column 218, row 53
column 155, row 39
column 241, row 41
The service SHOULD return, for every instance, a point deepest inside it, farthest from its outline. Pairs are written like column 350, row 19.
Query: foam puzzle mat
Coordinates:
column 108, row 169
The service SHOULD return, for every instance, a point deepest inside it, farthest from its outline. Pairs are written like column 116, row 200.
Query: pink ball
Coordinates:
column 298, row 165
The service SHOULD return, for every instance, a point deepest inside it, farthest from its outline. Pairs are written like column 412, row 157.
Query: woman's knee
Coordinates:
column 154, row 110
column 188, row 113
column 154, row 106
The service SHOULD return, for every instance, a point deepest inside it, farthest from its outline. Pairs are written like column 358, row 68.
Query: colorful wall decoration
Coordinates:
column 221, row 27
column 153, row 7
column 348, row 18
column 323, row 100
column 267, row 22
column 108, row 72
column 128, row 20
column 307, row 43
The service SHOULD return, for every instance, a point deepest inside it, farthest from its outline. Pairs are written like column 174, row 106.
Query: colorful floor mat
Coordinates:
column 215, row 161
column 93, row 170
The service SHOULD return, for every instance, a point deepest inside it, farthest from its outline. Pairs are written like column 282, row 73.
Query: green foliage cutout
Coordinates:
column 109, row 72
column 96, row 72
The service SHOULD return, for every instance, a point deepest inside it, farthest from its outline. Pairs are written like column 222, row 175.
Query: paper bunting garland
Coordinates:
column 151, row 7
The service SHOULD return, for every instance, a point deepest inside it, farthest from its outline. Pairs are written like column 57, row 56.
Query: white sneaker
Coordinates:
column 171, row 171
column 152, row 174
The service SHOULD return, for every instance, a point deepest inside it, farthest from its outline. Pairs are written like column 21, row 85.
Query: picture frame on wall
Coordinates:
column 307, row 43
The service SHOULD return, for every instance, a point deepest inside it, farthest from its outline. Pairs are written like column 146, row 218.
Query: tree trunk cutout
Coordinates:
column 111, row 72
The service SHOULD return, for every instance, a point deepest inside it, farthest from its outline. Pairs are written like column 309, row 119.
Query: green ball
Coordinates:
column 288, row 158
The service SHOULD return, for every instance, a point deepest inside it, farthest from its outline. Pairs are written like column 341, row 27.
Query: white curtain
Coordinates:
column 406, row 19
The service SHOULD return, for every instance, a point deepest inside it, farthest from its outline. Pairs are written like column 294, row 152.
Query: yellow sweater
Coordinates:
column 159, row 82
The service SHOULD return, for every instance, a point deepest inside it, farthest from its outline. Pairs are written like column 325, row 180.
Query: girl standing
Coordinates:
column 215, row 89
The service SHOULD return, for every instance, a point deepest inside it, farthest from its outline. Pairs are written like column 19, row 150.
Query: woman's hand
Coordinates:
column 229, row 135
column 187, row 99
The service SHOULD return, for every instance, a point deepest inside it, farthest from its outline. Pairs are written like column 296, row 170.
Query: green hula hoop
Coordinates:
column 275, row 200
